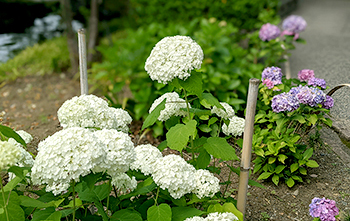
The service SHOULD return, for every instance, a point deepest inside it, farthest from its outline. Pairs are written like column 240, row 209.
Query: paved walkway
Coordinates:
column 327, row 51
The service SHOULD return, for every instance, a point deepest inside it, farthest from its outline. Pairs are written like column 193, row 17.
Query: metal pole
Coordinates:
column 82, row 62
column 247, row 144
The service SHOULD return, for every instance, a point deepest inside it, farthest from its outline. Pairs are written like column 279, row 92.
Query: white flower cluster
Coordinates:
column 123, row 182
column 172, row 106
column 119, row 151
column 214, row 217
column 9, row 154
column 206, row 184
column 146, row 157
column 25, row 136
column 25, row 160
column 173, row 173
column 65, row 156
column 90, row 111
column 235, row 127
column 173, row 57
column 225, row 113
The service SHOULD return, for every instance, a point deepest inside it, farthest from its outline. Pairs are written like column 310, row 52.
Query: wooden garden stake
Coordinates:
column 247, row 144
column 287, row 67
column 82, row 62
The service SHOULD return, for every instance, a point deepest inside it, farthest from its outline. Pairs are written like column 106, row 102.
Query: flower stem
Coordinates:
column 189, row 118
column 3, row 197
column 155, row 201
column 110, row 187
column 73, row 201
column 228, row 179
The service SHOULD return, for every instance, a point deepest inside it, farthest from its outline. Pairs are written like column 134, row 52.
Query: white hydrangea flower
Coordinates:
column 90, row 111
column 119, row 150
column 9, row 154
column 221, row 217
column 122, row 118
column 26, row 159
column 174, row 57
column 173, row 173
column 65, row 156
column 195, row 218
column 225, row 113
column 123, row 182
column 206, row 184
column 173, row 105
column 25, row 136
column 146, row 157
column 235, row 127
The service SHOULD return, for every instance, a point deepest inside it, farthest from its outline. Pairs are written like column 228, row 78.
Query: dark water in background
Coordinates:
column 43, row 28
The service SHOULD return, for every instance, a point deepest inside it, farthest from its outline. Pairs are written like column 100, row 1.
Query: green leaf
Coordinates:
column 302, row 170
column 264, row 176
column 15, row 212
column 203, row 159
column 219, row 148
column 308, row 153
column 328, row 122
column 290, row 182
column 126, row 215
column 279, row 169
column 272, row 160
column 21, row 172
column 299, row 118
column 159, row 213
column 193, row 84
column 153, row 116
column 102, row 191
column 312, row 163
column 205, row 128
column 162, row 145
column 229, row 207
column 294, row 167
column 254, row 183
column 275, row 179
column 177, row 137
column 199, row 112
column 312, row 118
column 49, row 214
column 8, row 132
column 91, row 179
column 215, row 208
column 259, row 152
column 208, row 100
column 297, row 178
column 181, row 213
column 282, row 158
column 30, row 202
column 212, row 121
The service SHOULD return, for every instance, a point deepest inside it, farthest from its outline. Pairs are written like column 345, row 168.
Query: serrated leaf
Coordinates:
column 153, row 116
column 177, row 137
column 312, row 163
column 219, row 148
column 193, row 84
column 159, row 213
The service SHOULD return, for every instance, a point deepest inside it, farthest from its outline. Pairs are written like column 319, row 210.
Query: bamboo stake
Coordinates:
column 82, row 62
column 247, row 144
column 287, row 67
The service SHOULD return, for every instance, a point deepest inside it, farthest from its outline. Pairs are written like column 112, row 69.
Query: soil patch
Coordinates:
column 31, row 104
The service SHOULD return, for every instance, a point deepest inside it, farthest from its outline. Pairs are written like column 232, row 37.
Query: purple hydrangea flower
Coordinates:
column 284, row 102
column 317, row 82
column 325, row 209
column 328, row 103
column 305, row 96
column 274, row 74
column 293, row 25
column 268, row 32
column 318, row 96
column 306, row 74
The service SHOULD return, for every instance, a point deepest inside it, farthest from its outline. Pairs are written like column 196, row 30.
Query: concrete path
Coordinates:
column 327, row 52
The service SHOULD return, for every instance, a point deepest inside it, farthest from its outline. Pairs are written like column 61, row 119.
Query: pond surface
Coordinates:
column 43, row 28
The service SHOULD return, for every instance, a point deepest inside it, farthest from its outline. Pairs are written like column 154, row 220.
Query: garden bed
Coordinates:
column 31, row 104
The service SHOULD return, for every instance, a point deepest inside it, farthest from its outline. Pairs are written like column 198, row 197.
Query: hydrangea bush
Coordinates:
column 91, row 170
column 287, row 111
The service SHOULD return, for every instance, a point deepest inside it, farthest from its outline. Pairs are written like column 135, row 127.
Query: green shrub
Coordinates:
column 45, row 58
